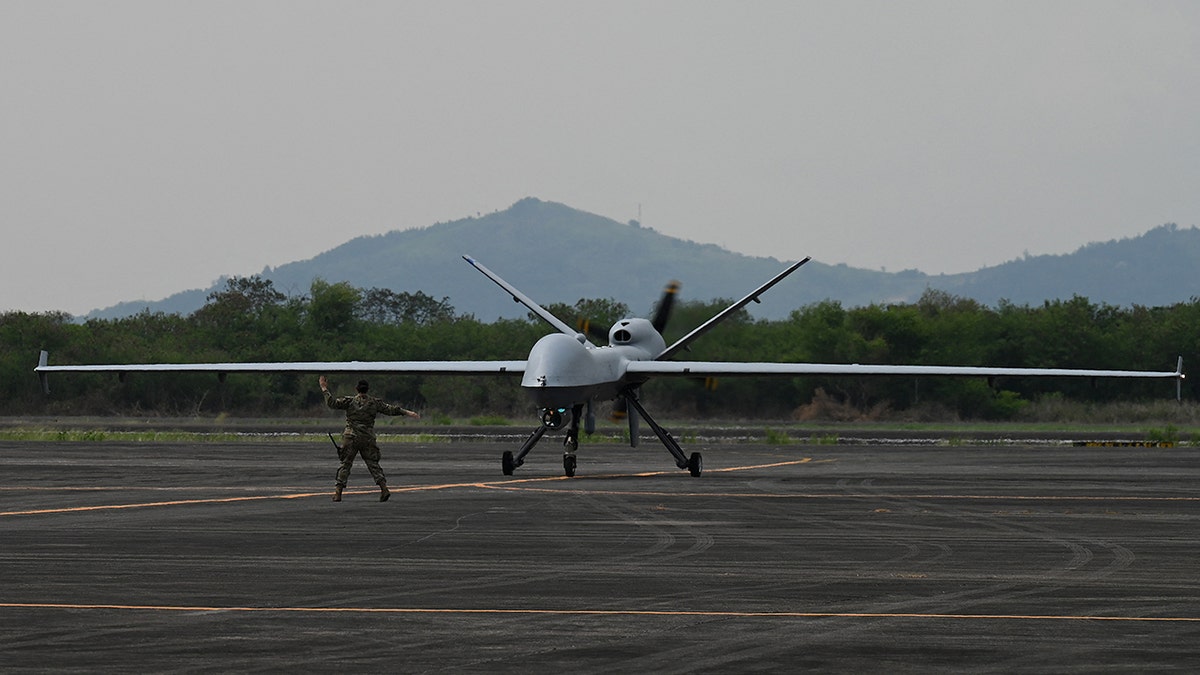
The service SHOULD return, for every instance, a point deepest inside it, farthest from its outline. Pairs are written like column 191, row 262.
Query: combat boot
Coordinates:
column 383, row 492
column 337, row 494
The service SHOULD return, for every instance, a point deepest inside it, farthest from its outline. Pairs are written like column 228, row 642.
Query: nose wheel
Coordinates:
column 570, row 445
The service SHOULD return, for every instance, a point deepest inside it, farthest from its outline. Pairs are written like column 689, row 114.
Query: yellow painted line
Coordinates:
column 227, row 500
column 842, row 495
column 515, row 484
column 223, row 500
column 793, row 462
column 506, row 484
column 533, row 484
column 143, row 505
column 522, row 486
column 1040, row 498
column 602, row 612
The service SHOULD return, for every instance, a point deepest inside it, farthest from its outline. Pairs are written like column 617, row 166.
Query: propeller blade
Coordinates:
column 620, row 409
column 594, row 330
column 663, row 311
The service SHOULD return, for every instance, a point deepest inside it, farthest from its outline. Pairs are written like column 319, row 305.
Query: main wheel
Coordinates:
column 695, row 464
column 569, row 465
column 506, row 463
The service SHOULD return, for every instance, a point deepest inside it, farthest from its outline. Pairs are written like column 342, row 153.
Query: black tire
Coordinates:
column 506, row 463
column 569, row 465
column 695, row 465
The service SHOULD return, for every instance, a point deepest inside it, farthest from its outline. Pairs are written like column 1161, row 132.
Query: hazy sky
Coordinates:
column 151, row 147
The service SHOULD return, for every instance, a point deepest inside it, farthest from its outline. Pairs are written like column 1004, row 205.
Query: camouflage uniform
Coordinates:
column 359, row 436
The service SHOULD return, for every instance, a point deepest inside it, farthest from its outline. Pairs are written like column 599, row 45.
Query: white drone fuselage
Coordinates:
column 563, row 371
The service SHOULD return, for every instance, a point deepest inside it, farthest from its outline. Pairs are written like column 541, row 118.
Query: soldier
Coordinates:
column 359, row 435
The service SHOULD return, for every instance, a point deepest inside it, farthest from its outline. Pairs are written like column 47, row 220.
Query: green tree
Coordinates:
column 332, row 307
column 381, row 305
column 230, row 322
column 22, row 337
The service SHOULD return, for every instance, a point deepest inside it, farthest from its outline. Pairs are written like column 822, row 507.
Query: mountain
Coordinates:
column 1154, row 269
column 558, row 254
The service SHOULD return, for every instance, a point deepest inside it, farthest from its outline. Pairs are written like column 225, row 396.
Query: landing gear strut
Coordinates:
column 508, row 462
column 551, row 419
column 571, row 443
column 694, row 464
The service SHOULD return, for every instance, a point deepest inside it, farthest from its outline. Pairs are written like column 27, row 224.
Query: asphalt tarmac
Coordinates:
column 206, row 557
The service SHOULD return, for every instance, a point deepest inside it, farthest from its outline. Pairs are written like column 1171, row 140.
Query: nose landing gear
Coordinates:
column 552, row 418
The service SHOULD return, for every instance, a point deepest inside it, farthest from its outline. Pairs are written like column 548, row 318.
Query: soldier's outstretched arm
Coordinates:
column 393, row 409
column 329, row 398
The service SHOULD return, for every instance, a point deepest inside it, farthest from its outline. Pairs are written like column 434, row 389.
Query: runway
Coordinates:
column 231, row 557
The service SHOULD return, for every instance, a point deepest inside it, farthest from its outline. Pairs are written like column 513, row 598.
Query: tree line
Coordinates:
column 249, row 320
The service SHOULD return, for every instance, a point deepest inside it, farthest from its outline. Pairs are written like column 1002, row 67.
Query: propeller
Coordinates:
column 593, row 330
column 663, row 311
column 598, row 331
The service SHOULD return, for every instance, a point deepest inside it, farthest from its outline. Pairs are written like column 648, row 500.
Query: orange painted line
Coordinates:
column 507, row 485
column 603, row 612
column 793, row 462
column 524, row 484
column 1046, row 498
column 841, row 495
column 143, row 505
column 516, row 486
column 221, row 500
column 226, row 500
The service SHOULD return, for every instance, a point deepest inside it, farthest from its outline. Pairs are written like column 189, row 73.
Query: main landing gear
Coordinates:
column 694, row 464
column 552, row 419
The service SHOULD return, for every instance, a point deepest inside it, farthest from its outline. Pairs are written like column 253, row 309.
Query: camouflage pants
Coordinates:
column 352, row 446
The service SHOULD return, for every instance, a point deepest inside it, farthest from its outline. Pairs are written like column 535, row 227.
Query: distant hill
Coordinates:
column 555, row 253
column 1155, row 269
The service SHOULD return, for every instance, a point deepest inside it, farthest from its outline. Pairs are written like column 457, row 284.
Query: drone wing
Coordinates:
column 683, row 342
column 221, row 369
column 728, row 368
column 520, row 297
